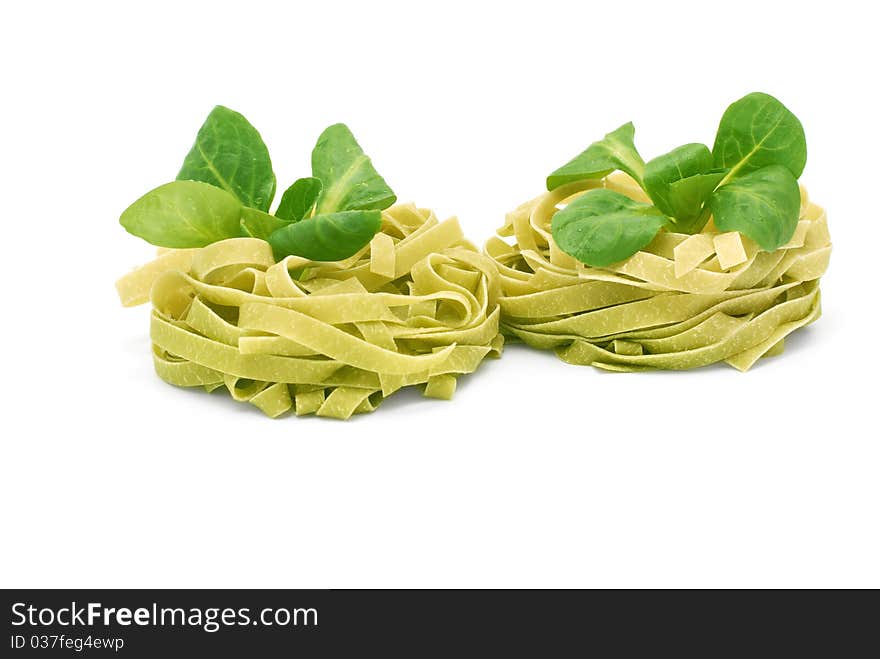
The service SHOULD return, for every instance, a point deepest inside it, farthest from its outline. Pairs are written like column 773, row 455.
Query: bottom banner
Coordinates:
column 269, row 623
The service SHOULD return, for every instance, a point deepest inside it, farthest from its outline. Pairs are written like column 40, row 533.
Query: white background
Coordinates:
column 538, row 473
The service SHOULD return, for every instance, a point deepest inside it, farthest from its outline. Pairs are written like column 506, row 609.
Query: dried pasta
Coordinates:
column 682, row 302
column 417, row 306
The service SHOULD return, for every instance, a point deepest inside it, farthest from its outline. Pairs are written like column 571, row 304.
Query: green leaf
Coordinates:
column 757, row 131
column 350, row 180
column 602, row 227
column 230, row 154
column 299, row 199
column 331, row 237
column 257, row 224
column 615, row 151
column 688, row 197
column 183, row 214
column 764, row 205
column 681, row 163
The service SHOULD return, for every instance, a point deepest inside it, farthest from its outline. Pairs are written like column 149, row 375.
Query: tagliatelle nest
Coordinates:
column 682, row 302
column 417, row 306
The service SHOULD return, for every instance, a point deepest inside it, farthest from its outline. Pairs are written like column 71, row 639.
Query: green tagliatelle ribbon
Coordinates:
column 682, row 302
column 417, row 306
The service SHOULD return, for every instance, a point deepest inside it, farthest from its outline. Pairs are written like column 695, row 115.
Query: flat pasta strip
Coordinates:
column 730, row 249
column 134, row 288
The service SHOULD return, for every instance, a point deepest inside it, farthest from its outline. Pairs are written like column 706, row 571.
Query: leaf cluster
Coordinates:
column 226, row 186
column 747, row 182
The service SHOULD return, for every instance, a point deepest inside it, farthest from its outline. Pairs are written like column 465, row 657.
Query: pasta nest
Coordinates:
column 682, row 302
column 417, row 306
